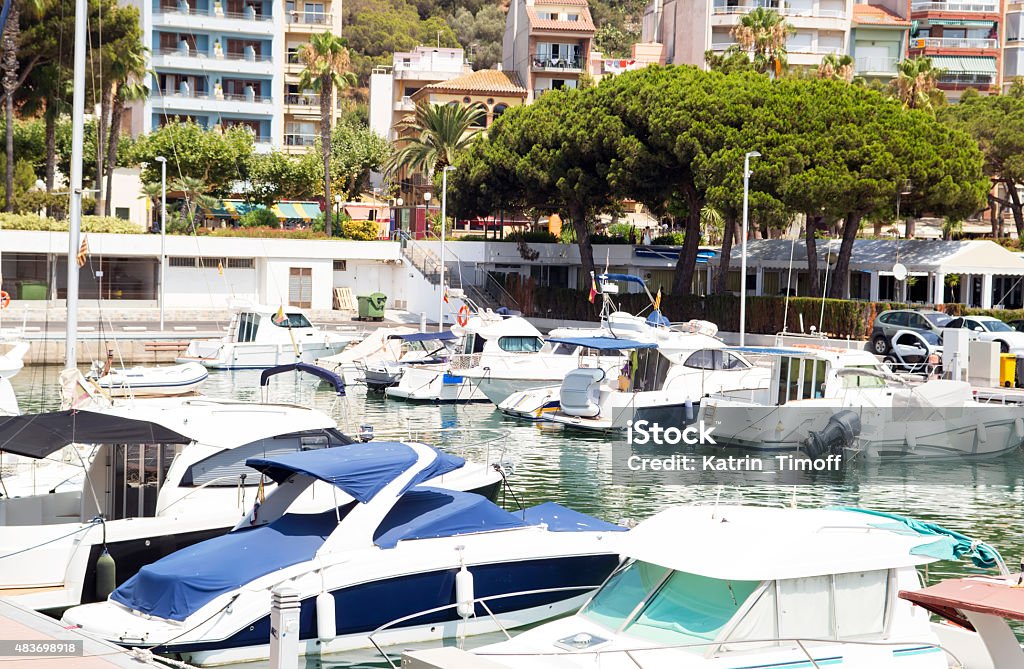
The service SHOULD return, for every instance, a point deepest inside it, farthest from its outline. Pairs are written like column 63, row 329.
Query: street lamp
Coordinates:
column 426, row 211
column 444, row 213
column 743, row 256
column 394, row 204
column 163, row 232
column 337, row 213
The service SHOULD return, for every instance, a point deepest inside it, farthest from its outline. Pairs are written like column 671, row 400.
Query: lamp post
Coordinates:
column 393, row 204
column 163, row 232
column 426, row 211
column 743, row 253
column 904, row 190
column 444, row 214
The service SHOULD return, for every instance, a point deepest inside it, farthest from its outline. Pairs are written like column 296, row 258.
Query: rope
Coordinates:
column 92, row 523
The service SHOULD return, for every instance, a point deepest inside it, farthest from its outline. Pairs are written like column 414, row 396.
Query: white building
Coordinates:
column 391, row 88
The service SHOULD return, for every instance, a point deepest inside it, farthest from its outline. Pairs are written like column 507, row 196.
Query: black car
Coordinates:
column 889, row 323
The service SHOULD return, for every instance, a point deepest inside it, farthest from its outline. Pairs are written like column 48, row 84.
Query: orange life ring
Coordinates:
column 463, row 316
column 5, row 299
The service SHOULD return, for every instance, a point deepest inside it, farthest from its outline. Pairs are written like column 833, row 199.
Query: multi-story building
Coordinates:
column 962, row 38
column 878, row 38
column 302, row 107
column 224, row 63
column 1013, row 45
column 391, row 88
column 548, row 43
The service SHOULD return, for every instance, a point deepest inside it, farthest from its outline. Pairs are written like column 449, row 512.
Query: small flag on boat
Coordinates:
column 279, row 316
column 657, row 300
column 220, row 268
column 83, row 252
column 593, row 288
column 446, row 294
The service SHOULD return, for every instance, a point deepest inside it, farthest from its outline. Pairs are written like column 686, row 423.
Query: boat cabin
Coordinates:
column 265, row 324
column 810, row 373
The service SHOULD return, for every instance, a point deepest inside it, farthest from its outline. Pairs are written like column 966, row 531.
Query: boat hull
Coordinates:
column 157, row 381
column 618, row 417
column 420, row 384
column 497, row 389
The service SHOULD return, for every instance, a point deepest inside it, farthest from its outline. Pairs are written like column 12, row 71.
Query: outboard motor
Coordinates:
column 839, row 434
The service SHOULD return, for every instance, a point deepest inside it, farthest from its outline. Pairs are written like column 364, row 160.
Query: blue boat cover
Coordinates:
column 361, row 470
column 603, row 343
column 425, row 336
column 656, row 318
column 561, row 519
column 181, row 583
column 425, row 513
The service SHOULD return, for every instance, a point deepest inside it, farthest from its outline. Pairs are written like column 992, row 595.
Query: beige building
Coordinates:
column 391, row 88
column 492, row 91
column 302, row 107
column 548, row 43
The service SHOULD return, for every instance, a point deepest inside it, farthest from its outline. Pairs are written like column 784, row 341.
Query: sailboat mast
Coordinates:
column 75, row 210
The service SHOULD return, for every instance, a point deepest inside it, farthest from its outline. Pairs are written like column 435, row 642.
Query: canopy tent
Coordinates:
column 39, row 435
column 603, row 343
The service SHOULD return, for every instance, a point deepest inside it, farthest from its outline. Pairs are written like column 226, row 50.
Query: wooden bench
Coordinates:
column 164, row 346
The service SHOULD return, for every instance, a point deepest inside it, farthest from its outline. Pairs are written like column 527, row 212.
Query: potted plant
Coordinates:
column 218, row 90
column 218, row 51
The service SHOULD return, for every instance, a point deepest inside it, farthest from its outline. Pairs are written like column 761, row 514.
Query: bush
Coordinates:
column 361, row 230
column 671, row 239
column 259, row 218
column 532, row 237
column 99, row 224
column 31, row 202
column 609, row 239
column 268, row 233
column 471, row 238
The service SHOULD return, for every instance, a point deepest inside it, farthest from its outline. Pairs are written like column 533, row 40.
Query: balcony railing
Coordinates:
column 966, row 7
column 546, row 61
column 876, row 64
column 723, row 46
column 783, row 11
column 813, row 49
column 405, row 104
column 309, row 18
column 953, row 43
column 296, row 139
column 205, row 95
column 197, row 53
column 965, row 78
column 304, row 99
column 185, row 10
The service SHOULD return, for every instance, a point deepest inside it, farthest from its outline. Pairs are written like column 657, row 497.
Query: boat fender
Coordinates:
column 911, row 437
column 688, row 410
column 106, row 575
column 464, row 592
column 840, row 432
column 1018, row 427
column 982, row 433
column 326, row 625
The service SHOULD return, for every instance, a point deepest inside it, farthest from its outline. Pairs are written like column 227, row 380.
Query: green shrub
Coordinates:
column 31, row 202
column 607, row 239
column 472, row 238
column 259, row 218
column 532, row 237
column 268, row 233
column 671, row 239
column 97, row 224
column 362, row 230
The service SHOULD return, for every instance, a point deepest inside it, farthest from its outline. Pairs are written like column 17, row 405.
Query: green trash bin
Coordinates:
column 375, row 306
column 364, row 307
column 33, row 290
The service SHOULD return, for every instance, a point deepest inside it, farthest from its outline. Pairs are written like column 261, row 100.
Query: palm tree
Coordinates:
column 835, row 66
column 11, row 38
column 128, row 71
column 441, row 132
column 916, row 84
column 764, row 32
column 153, row 192
column 328, row 66
column 194, row 192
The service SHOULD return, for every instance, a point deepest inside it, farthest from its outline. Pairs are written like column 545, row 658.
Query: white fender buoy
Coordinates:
column 464, row 593
column 982, row 433
column 1018, row 427
column 911, row 438
column 326, row 625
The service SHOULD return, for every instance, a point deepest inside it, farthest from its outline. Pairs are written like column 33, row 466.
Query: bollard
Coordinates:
column 284, row 628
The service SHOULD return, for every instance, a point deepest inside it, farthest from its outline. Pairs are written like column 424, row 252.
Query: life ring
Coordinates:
column 463, row 316
column 5, row 299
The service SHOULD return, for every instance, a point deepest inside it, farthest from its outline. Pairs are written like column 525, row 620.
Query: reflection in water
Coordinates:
column 576, row 469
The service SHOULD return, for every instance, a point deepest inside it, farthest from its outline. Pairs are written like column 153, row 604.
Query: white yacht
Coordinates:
column 825, row 400
column 167, row 473
column 13, row 360
column 262, row 336
column 392, row 562
column 158, row 381
column 417, row 348
column 822, row 589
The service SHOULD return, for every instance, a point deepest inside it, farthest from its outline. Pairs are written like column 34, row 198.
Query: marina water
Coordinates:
column 576, row 469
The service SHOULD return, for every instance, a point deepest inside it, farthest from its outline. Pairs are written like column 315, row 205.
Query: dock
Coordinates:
column 21, row 625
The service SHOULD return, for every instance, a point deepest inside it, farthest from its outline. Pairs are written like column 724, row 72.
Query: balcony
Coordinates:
column 959, row 81
column 545, row 62
column 814, row 49
column 300, row 139
column 727, row 10
column 313, row 19
column 956, row 7
column 869, row 65
column 248, row 62
column 952, row 43
column 405, row 104
column 203, row 101
column 184, row 17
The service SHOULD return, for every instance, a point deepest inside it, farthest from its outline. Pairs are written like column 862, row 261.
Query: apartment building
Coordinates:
column 962, row 38
column 878, row 39
column 392, row 88
column 1013, row 44
column 224, row 63
column 548, row 43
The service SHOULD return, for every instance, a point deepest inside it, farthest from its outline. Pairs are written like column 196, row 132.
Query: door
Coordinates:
column 300, row 287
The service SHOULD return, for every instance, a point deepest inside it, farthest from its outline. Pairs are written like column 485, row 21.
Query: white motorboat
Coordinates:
column 417, row 348
column 167, row 472
column 824, row 400
column 13, row 360
column 379, row 346
column 162, row 380
column 823, row 590
column 401, row 563
column 663, row 386
column 262, row 336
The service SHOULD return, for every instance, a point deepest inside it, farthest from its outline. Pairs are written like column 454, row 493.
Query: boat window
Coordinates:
column 225, row 468
column 291, row 321
column 689, row 608
column 618, row 598
column 861, row 599
column 862, row 381
column 564, row 349
column 731, row 361
column 248, row 324
column 704, row 359
column 138, row 473
column 520, row 344
column 805, row 608
column 813, row 379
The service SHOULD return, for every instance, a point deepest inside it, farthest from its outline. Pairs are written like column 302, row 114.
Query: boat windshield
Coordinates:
column 863, row 380
column 678, row 607
column 291, row 321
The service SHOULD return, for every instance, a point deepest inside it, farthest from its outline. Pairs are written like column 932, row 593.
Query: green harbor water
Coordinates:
column 575, row 469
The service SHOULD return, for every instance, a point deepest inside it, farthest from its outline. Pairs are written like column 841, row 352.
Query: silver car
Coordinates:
column 888, row 323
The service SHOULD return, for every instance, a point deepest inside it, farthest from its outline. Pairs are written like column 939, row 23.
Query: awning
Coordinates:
column 447, row 335
column 961, row 22
column 39, row 435
column 603, row 343
column 965, row 64
column 285, row 211
column 628, row 278
column 951, row 598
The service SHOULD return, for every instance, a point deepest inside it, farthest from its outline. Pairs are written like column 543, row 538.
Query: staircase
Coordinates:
column 429, row 265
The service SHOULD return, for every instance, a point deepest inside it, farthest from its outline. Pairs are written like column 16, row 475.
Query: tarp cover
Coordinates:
column 361, row 470
column 38, row 435
column 603, row 343
column 561, row 519
column 178, row 585
column 425, row 513
column 426, row 336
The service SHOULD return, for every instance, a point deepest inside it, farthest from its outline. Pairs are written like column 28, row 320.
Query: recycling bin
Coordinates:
column 1007, row 370
column 375, row 304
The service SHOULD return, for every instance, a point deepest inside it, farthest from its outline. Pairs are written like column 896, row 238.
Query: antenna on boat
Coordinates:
column 75, row 182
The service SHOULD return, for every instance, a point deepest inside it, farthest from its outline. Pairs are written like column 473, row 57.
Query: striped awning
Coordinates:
column 965, row 64
column 285, row 211
column 961, row 22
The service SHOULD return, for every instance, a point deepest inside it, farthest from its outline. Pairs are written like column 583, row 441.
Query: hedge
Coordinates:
column 267, row 233
column 89, row 224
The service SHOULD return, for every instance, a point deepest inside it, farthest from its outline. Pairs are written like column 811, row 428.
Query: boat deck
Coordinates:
column 24, row 626
column 1012, row 396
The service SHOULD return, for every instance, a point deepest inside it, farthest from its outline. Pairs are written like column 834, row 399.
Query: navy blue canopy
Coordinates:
column 425, row 513
column 447, row 335
column 325, row 374
column 562, row 519
column 361, row 470
column 603, row 343
column 628, row 278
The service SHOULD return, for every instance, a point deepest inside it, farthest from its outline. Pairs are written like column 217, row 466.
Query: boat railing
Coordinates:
column 464, row 361
column 495, row 444
column 482, row 601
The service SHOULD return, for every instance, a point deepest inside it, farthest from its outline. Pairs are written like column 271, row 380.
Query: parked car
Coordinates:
column 1017, row 325
column 988, row 328
column 889, row 323
column 916, row 352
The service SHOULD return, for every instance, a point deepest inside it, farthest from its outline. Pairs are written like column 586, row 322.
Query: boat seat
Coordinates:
column 581, row 392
